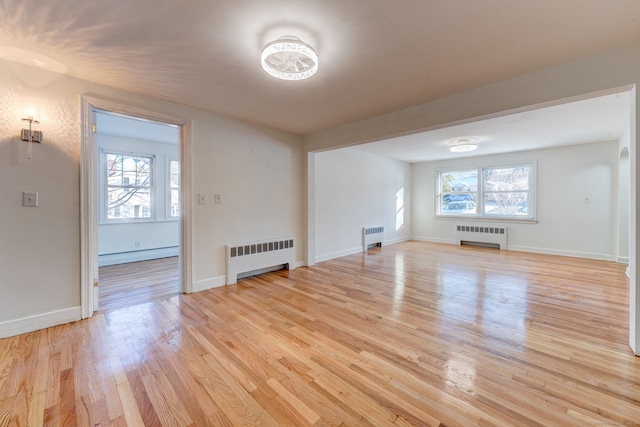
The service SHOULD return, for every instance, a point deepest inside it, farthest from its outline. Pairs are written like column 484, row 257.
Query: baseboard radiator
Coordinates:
column 372, row 236
column 481, row 236
column 258, row 255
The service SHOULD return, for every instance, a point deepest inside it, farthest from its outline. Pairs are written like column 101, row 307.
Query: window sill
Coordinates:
column 486, row 219
column 137, row 221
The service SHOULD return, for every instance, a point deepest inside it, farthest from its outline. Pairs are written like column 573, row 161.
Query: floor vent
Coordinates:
column 257, row 255
column 372, row 236
column 482, row 236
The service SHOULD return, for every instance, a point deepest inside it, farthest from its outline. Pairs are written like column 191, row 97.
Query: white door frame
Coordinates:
column 89, row 194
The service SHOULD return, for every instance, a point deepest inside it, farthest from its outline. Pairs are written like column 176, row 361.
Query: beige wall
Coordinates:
column 257, row 170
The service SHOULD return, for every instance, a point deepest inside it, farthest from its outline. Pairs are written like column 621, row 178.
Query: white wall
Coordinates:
column 565, row 224
column 257, row 170
column 354, row 189
column 163, row 232
column 602, row 72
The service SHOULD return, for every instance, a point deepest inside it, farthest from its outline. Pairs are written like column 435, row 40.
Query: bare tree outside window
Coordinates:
column 174, row 188
column 506, row 191
column 129, row 184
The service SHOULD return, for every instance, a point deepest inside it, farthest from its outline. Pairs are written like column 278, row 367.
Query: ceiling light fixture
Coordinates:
column 463, row 145
column 289, row 58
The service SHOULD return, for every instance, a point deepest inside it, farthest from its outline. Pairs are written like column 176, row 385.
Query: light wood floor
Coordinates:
column 413, row 334
column 124, row 285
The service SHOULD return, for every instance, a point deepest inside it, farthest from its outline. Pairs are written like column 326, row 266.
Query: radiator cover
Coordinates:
column 372, row 236
column 244, row 257
column 482, row 234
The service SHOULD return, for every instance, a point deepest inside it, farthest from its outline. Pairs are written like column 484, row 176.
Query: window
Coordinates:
column 489, row 192
column 129, row 186
column 174, row 189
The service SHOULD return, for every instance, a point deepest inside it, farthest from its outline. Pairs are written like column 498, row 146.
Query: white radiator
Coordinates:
column 479, row 234
column 257, row 255
column 372, row 236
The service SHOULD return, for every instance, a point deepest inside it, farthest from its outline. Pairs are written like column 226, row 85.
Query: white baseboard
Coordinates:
column 338, row 254
column 35, row 322
column 203, row 285
column 623, row 259
column 398, row 240
column 575, row 254
column 434, row 240
column 135, row 256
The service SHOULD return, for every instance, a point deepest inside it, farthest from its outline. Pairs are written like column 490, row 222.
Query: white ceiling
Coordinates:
column 603, row 118
column 136, row 128
column 376, row 56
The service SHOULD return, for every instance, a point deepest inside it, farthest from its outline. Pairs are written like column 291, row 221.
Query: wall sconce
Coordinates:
column 30, row 134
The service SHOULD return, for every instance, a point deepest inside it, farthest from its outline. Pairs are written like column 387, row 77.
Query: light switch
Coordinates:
column 217, row 198
column 29, row 199
column 202, row 198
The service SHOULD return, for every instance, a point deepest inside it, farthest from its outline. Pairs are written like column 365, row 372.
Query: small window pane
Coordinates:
column 507, row 179
column 459, row 208
column 174, row 188
column 129, row 203
column 507, row 204
column 458, row 192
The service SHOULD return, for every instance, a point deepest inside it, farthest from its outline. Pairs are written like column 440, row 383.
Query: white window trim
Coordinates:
column 531, row 197
column 104, row 219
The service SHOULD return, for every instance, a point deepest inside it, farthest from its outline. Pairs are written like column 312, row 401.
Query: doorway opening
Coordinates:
column 135, row 168
column 138, row 209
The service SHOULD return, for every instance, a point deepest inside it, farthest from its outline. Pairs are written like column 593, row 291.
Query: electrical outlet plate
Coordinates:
column 29, row 199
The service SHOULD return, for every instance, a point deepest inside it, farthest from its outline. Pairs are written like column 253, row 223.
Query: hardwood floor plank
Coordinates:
column 130, row 406
column 412, row 334
column 124, row 285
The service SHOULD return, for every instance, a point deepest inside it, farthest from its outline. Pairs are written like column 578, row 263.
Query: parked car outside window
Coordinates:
column 457, row 208
column 458, row 197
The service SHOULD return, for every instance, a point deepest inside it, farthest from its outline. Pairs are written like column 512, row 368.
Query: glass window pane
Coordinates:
column 459, row 181
column 507, row 179
column 175, row 203
column 458, row 192
column 507, row 204
column 174, row 188
column 128, row 203
column 174, row 173
column 459, row 208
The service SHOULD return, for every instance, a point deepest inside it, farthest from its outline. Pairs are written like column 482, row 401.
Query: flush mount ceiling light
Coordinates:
column 463, row 145
column 289, row 58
